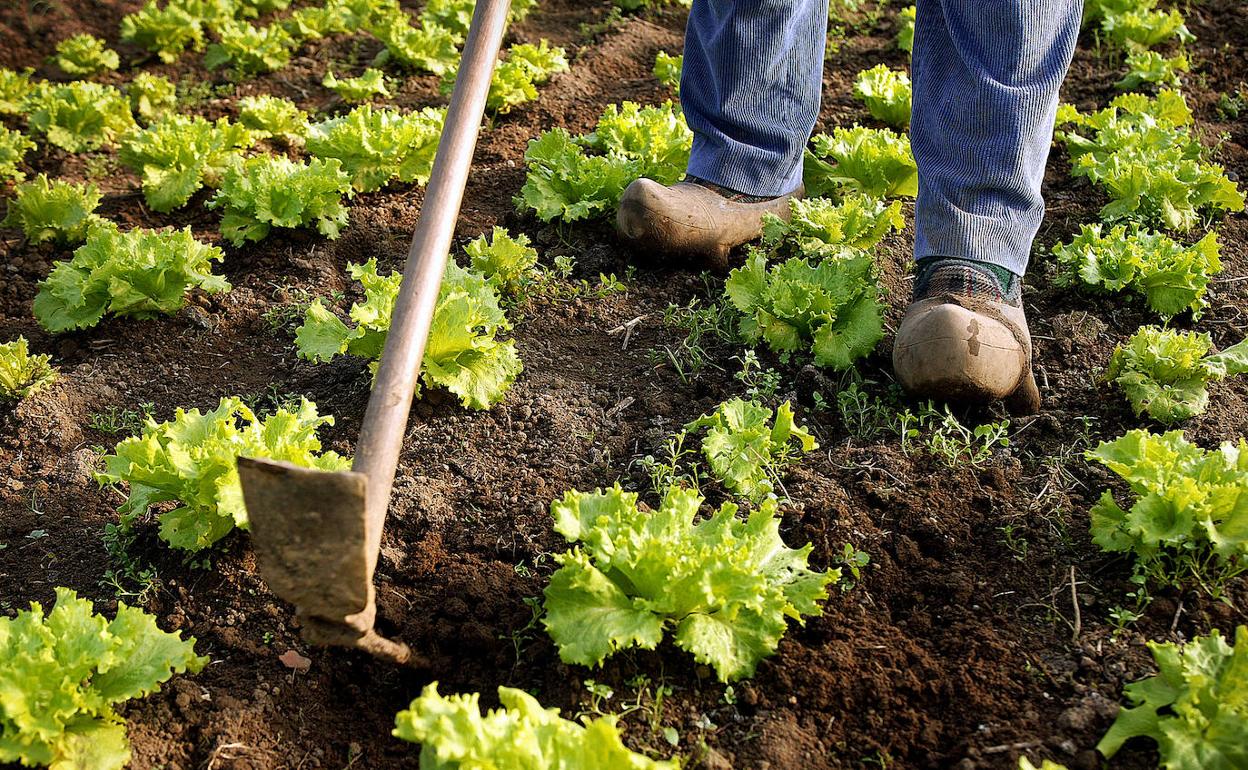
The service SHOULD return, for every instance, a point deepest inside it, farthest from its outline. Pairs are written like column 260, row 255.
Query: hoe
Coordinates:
column 317, row 534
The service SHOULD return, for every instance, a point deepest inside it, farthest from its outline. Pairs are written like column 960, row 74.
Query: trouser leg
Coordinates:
column 750, row 90
column 986, row 77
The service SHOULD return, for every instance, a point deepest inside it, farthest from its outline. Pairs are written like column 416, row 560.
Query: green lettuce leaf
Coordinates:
column 820, row 228
column 267, row 191
column 66, row 670
column 1195, row 708
column 57, row 211
column 22, row 374
column 80, row 116
column 874, row 162
column 272, row 117
column 180, row 154
column 83, row 55
column 1172, row 277
column 723, row 586
column 1188, row 522
column 462, row 353
column 886, row 92
column 1165, row 373
column 372, row 82
column 378, row 146
column 746, row 450
column 193, row 459
column 506, row 261
column 248, row 49
column 138, row 273
column 167, row 32
column 454, row 734
column 13, row 148
column 151, row 96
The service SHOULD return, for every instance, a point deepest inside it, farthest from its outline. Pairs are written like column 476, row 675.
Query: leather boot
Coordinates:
column 973, row 349
column 692, row 220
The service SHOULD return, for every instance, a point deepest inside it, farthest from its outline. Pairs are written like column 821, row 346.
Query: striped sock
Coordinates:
column 938, row 276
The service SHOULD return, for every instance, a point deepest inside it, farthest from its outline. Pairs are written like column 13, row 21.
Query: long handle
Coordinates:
column 385, row 421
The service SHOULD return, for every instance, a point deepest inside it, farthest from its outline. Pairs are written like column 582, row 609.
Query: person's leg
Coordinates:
column 986, row 79
column 750, row 89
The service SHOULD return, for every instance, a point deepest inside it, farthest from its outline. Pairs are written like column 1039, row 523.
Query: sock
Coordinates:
column 729, row 193
column 966, row 278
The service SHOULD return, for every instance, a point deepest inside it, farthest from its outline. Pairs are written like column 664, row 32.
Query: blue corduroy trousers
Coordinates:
column 985, row 74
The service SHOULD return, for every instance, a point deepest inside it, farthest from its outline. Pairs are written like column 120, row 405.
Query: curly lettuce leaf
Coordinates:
column 180, row 154
column 378, row 146
column 272, row 117
column 1165, row 373
column 453, row 734
column 723, row 587
column 746, row 449
column 192, row 459
column 80, row 116
column 564, row 182
column 874, row 162
column 820, row 228
column 1195, row 707
column 65, row 671
column 506, row 261
column 370, row 83
column 22, row 374
column 886, row 92
column 264, row 192
column 462, row 354
column 168, row 31
column 151, row 96
column 138, row 273
column 47, row 210
column 248, row 49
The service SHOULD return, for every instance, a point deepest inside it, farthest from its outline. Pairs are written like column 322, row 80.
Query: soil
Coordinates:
column 961, row 645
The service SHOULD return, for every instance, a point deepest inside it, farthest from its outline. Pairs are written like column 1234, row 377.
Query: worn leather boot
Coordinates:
column 694, row 218
column 965, row 339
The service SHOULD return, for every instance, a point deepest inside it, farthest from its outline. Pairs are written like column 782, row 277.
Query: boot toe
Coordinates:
column 949, row 352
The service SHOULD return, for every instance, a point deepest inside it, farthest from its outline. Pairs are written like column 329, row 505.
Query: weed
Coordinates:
column 667, row 472
column 761, row 383
column 852, row 560
column 1012, row 540
column 701, row 323
column 865, row 415
column 954, row 444
column 128, row 576
column 523, row 636
column 116, row 420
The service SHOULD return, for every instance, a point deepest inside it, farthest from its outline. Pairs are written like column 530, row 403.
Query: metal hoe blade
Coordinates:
column 311, row 536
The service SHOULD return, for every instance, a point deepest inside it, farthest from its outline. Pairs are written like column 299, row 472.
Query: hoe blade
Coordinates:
column 310, row 533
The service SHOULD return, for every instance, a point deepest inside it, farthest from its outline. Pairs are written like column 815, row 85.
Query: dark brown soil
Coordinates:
column 955, row 649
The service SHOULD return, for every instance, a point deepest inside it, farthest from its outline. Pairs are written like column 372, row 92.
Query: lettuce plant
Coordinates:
column 656, row 138
column 15, row 90
column 566, row 182
column 267, row 191
column 81, row 116
column 192, row 459
column 378, row 146
column 517, row 76
column 167, row 32
column 1172, row 277
column 22, row 374
column 1165, row 373
column 830, row 310
column 358, row 89
column 138, row 273
column 179, row 154
column 250, row 50
column 454, row 735
column 820, row 228
column 667, row 69
column 723, row 587
column 874, row 162
column 1145, row 27
column 427, row 48
column 268, row 116
column 1143, row 153
column 84, row 55
column 1185, row 524
column 456, row 15
column 48, row 210
column 151, row 96
column 746, row 449
column 1149, row 68
column 66, row 670
column 462, row 354
column 886, row 92
column 13, row 148
column 1194, row 708
column 905, row 28
column 337, row 16
column 507, row 262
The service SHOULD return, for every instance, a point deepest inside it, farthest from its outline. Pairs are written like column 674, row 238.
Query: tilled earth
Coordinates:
column 962, row 644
